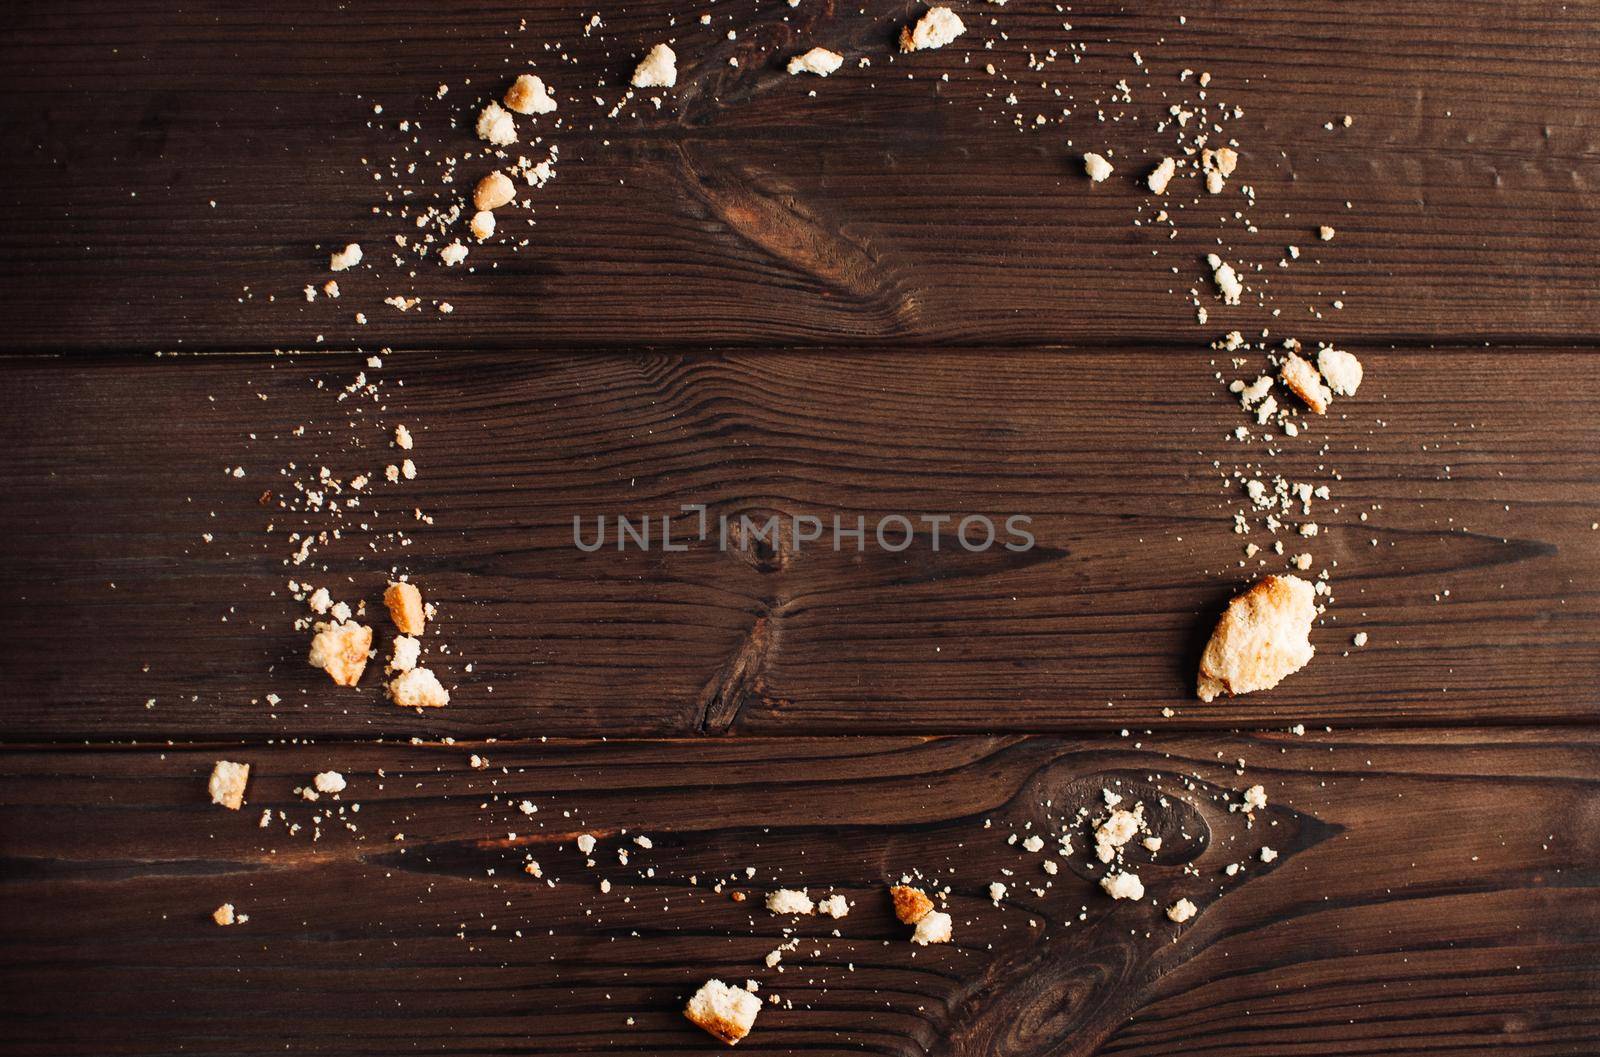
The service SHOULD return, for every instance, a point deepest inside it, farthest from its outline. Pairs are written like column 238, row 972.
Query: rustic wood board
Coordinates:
column 893, row 207
column 1474, row 574
column 882, row 297
column 1431, row 894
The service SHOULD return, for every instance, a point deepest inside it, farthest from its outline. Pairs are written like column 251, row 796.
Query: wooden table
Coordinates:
column 883, row 298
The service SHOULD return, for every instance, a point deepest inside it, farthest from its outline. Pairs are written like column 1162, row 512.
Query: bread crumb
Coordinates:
column 790, row 901
column 482, row 224
column 405, row 654
column 1227, row 281
column 1182, row 911
column 453, row 254
column 723, row 1011
column 1268, row 854
column 1158, row 179
column 528, row 95
column 1255, row 798
column 1325, row 233
column 497, row 126
column 1303, row 381
column 1098, row 169
column 658, row 68
column 835, row 906
column 418, row 688
column 1360, row 639
column 819, row 61
column 933, row 927
column 329, row 782
column 224, row 915
column 1342, row 370
column 1123, row 885
column 1263, row 636
column 227, row 783
column 910, row 904
column 493, row 191
column 405, row 607
column 320, row 601
column 586, row 843
column 341, row 650
column 346, row 258
column 938, row 27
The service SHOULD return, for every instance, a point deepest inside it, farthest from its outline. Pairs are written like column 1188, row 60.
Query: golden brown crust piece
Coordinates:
column 911, row 905
column 1262, row 637
column 405, row 607
column 719, row 1027
column 1304, row 381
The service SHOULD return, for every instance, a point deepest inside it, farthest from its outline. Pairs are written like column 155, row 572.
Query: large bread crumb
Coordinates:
column 497, row 126
column 1303, row 381
column 819, row 61
column 418, row 688
column 1342, row 370
column 911, row 905
column 1098, row 169
column 341, row 650
column 790, row 901
column 1262, row 637
column 227, row 784
column 406, row 652
column 405, row 607
column 723, row 1011
column 835, row 906
column 658, row 68
column 346, row 258
column 933, row 30
column 933, row 927
column 493, row 191
column 528, row 95
column 1226, row 278
column 1162, row 175
column 1123, row 885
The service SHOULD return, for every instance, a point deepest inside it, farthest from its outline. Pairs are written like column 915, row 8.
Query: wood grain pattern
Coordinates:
column 867, row 295
column 1478, row 595
column 894, row 207
column 359, row 943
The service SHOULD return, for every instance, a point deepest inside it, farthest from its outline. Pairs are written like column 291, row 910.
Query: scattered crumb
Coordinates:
column 819, row 61
column 938, row 27
column 723, row 1011
column 227, row 784
column 1263, row 636
column 405, row 607
column 418, row 688
column 658, row 69
column 341, row 650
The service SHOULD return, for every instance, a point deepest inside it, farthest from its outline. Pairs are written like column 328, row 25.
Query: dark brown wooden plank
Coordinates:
column 893, row 207
column 1478, row 594
column 1433, row 895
